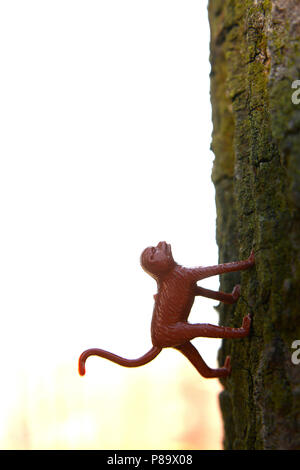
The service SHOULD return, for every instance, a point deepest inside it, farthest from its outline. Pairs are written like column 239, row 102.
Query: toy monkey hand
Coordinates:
column 236, row 292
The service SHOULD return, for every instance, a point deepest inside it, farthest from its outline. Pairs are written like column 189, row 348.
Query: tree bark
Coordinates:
column 255, row 58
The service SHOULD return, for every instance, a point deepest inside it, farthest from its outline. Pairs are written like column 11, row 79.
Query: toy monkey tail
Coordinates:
column 149, row 356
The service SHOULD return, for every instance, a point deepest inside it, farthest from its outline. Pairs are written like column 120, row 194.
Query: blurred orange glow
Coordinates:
column 147, row 409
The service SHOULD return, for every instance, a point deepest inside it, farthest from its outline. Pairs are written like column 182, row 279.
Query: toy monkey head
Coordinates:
column 157, row 260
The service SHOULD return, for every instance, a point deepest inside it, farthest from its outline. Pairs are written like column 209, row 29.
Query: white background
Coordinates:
column 105, row 149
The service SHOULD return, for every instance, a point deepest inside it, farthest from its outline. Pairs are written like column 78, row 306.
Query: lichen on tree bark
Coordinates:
column 255, row 57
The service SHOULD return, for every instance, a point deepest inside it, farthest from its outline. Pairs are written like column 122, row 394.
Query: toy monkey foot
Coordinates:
column 251, row 258
column 246, row 323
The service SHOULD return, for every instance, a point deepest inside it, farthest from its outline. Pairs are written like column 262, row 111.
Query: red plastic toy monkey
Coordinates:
column 177, row 288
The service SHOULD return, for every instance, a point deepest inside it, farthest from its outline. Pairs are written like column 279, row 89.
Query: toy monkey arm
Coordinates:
column 203, row 272
column 217, row 295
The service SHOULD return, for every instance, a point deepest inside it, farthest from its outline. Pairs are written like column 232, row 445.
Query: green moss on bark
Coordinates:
column 256, row 141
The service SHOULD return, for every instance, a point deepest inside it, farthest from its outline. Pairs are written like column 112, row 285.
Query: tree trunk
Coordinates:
column 255, row 59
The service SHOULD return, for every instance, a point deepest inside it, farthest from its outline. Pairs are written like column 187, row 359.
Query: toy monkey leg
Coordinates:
column 191, row 353
column 186, row 331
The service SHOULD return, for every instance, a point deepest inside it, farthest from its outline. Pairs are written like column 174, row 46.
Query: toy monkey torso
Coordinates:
column 173, row 304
